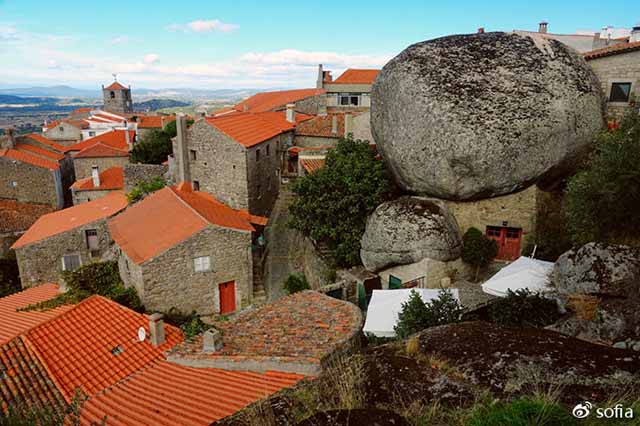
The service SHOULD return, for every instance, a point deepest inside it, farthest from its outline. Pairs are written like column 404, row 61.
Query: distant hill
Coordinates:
column 20, row 100
column 155, row 104
column 53, row 91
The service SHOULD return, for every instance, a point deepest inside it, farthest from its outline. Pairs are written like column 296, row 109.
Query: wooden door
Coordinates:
column 227, row 297
column 508, row 240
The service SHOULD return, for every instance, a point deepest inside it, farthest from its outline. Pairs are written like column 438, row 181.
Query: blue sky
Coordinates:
column 242, row 43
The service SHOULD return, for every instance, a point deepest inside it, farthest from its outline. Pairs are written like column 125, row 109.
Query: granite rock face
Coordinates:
column 407, row 230
column 476, row 116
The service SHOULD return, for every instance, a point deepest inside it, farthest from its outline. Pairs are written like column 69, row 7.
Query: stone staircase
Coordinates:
column 259, row 292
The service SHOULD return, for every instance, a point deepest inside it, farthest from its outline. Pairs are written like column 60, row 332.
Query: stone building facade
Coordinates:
column 65, row 133
column 117, row 98
column 135, row 173
column 84, row 165
column 27, row 183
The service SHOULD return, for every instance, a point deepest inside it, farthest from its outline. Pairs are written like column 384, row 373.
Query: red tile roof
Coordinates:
column 115, row 139
column 116, row 86
column 616, row 49
column 269, row 101
column 14, row 322
column 70, row 218
column 178, row 213
column 78, row 347
column 110, row 179
column 24, row 380
column 154, row 121
column 40, row 152
column 28, row 158
column 249, row 129
column 100, row 150
column 322, row 126
column 357, row 76
column 18, row 217
column 312, row 164
column 80, row 124
column 167, row 394
column 45, row 141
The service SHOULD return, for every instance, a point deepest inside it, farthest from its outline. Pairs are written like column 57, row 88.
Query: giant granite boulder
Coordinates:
column 476, row 116
column 407, row 230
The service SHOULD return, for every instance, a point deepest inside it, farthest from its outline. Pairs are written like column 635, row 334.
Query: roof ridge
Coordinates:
column 30, row 346
column 174, row 191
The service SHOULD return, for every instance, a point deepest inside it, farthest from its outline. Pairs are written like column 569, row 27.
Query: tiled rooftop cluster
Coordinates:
column 16, row 216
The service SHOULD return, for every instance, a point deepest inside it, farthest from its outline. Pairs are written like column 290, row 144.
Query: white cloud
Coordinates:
column 119, row 40
column 151, row 58
column 204, row 26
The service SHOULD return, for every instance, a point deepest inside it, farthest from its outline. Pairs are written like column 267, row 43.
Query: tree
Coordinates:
column 171, row 127
column 478, row 250
column 296, row 283
column 154, row 148
column 602, row 198
column 334, row 202
column 146, row 187
column 416, row 315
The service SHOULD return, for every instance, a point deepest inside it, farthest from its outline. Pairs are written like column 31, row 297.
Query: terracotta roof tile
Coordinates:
column 616, row 49
column 101, row 150
column 45, row 141
column 357, row 76
column 110, row 179
column 312, row 164
column 322, row 126
column 115, row 139
column 14, row 322
column 29, row 158
column 178, row 214
column 116, row 86
column 73, row 217
column 77, row 347
column 80, row 124
column 18, row 217
column 268, row 101
column 154, row 121
column 40, row 152
column 167, row 394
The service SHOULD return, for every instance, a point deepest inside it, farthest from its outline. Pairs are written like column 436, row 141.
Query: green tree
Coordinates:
column 601, row 200
column 478, row 250
column 417, row 315
column 296, row 283
column 154, row 148
column 333, row 203
column 172, row 130
column 146, row 187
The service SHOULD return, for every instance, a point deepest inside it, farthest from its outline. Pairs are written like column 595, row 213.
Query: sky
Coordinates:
column 251, row 44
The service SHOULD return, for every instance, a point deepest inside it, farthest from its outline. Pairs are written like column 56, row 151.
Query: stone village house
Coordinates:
column 98, row 185
column 106, row 150
column 183, row 249
column 65, row 132
column 66, row 240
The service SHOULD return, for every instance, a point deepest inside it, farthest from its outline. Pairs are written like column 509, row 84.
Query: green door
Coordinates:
column 394, row 283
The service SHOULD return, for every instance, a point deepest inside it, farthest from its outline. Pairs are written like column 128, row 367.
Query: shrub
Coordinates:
column 550, row 235
column 190, row 324
column 154, row 148
column 477, row 249
column 523, row 307
column 296, row 283
column 416, row 315
column 521, row 412
column 333, row 203
column 146, row 187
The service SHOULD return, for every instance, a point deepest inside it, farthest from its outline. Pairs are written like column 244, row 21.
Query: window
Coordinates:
column 620, row 92
column 257, row 155
column 92, row 134
column 61, row 128
column 192, row 154
column 202, row 264
column 494, row 231
column 112, row 94
column 267, row 151
column 196, row 185
column 70, row 262
column 91, row 236
column 349, row 99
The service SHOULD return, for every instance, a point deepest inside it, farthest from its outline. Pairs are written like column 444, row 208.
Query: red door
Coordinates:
column 508, row 240
column 227, row 297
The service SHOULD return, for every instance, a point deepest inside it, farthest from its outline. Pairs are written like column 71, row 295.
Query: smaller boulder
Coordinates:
column 598, row 269
column 408, row 230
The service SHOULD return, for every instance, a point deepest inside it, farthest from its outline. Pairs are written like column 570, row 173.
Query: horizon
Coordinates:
column 252, row 45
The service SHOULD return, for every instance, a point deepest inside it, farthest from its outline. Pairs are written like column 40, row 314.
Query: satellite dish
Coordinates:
column 142, row 334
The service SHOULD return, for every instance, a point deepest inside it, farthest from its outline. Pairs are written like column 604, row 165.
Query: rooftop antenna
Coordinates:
column 115, row 77
column 142, row 334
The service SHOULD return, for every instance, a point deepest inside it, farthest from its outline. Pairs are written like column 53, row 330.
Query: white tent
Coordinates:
column 520, row 274
column 385, row 305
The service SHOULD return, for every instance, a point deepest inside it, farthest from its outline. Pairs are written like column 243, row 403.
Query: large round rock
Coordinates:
column 475, row 116
column 408, row 230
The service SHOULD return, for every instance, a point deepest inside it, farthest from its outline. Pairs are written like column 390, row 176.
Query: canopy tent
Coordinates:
column 523, row 273
column 385, row 305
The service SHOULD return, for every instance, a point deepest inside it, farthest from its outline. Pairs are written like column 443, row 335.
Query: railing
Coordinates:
column 418, row 282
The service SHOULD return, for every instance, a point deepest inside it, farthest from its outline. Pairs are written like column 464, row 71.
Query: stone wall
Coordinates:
column 41, row 261
column 621, row 68
column 80, row 197
column 134, row 173
column 30, row 184
column 64, row 134
column 6, row 241
column 310, row 105
column 305, row 258
column 433, row 272
column 83, row 165
column 362, row 127
column 263, row 174
column 169, row 280
column 120, row 103
column 315, row 141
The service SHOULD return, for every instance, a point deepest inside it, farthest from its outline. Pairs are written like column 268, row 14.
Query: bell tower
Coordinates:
column 117, row 98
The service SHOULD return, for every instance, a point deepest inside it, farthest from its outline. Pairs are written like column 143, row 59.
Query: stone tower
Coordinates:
column 117, row 98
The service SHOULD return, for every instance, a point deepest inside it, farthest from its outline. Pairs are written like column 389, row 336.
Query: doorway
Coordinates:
column 508, row 240
column 227, row 293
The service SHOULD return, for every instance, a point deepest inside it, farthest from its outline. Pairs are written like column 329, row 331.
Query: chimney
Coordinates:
column 291, row 113
column 11, row 137
column 156, row 329
column 95, row 176
column 127, row 138
column 184, row 174
column 542, row 27
column 481, row 30
column 322, row 110
column 348, row 124
column 245, row 107
column 635, row 33
column 320, row 82
column 334, row 124
column 212, row 340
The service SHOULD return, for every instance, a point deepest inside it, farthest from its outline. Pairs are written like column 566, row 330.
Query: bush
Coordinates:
column 600, row 198
column 296, row 283
column 154, row 148
column 477, row 249
column 333, row 203
column 524, row 308
column 521, row 412
column 551, row 234
column 190, row 324
column 416, row 315
column 146, row 187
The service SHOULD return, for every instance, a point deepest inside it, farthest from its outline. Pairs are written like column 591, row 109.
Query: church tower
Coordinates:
column 117, row 98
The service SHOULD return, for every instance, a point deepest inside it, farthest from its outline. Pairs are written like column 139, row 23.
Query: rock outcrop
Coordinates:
column 407, row 230
column 476, row 116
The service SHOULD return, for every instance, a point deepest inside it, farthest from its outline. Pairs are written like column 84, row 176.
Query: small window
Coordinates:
column 202, row 264
column 620, row 92
column 112, row 94
column 117, row 350
column 70, row 262
column 61, row 128
column 92, row 134
column 354, row 100
column 196, row 185
column 257, row 155
column 91, row 236
column 267, row 150
column 192, row 154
